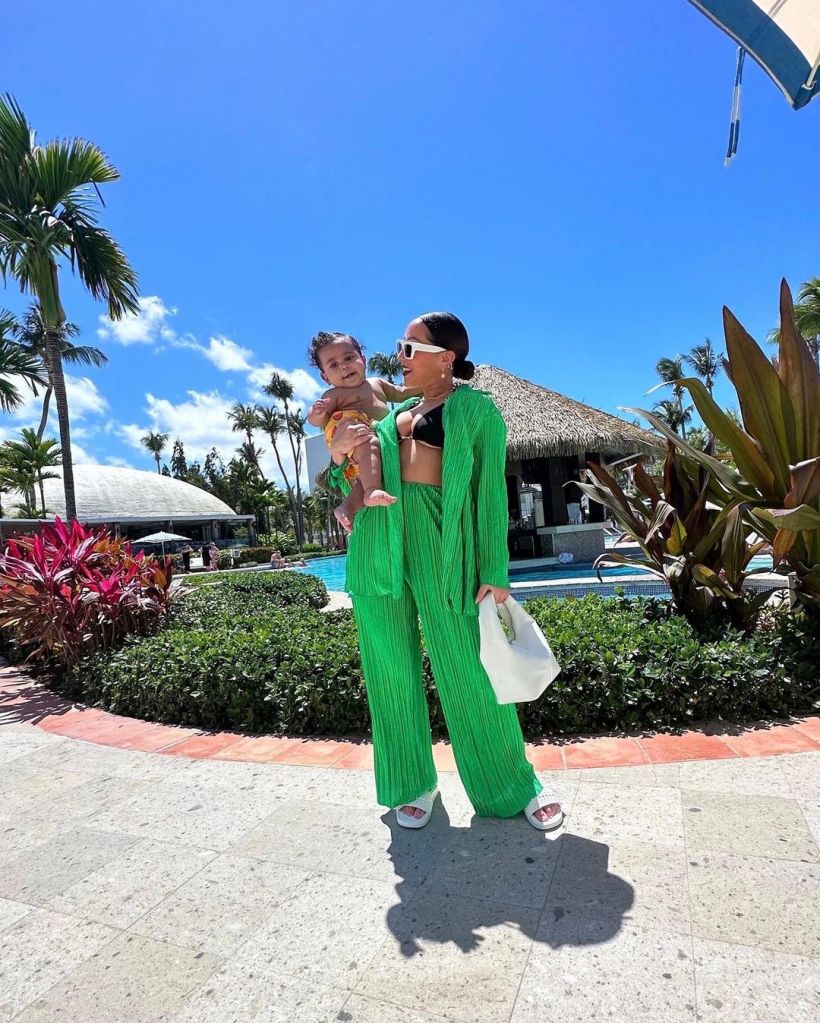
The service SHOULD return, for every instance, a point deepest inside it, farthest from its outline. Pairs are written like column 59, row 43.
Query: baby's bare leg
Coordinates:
column 346, row 511
column 369, row 459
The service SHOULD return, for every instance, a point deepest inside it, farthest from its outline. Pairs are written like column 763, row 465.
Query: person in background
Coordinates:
column 186, row 553
column 206, row 556
column 277, row 561
column 213, row 557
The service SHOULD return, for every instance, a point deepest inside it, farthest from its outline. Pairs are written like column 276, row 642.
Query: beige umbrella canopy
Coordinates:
column 543, row 424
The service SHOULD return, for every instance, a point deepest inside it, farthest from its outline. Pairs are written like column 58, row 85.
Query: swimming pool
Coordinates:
column 332, row 571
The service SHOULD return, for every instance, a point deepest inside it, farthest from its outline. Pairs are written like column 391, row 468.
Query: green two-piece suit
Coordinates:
column 424, row 558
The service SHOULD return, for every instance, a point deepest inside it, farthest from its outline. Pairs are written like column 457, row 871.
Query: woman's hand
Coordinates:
column 349, row 436
column 498, row 592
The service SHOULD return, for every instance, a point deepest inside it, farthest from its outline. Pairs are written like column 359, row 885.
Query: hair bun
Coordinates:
column 463, row 369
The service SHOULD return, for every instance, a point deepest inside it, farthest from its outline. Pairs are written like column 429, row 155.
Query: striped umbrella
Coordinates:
column 783, row 36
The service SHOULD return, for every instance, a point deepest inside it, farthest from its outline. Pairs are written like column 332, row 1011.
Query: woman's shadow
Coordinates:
column 456, row 883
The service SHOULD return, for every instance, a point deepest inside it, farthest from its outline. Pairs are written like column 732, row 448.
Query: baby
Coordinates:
column 353, row 396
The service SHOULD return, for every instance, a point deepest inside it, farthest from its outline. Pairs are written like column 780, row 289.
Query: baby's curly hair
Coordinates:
column 325, row 338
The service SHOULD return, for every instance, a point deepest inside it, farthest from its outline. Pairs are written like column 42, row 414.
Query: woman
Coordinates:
column 213, row 557
column 432, row 556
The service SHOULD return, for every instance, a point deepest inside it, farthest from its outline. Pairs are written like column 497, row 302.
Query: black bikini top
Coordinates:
column 428, row 428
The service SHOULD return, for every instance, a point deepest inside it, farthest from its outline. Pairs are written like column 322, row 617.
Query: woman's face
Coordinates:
column 425, row 368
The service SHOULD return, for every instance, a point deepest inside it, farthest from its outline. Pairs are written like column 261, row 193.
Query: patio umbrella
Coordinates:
column 161, row 538
column 783, row 36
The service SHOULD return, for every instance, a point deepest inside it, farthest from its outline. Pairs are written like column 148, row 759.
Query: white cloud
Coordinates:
column 227, row 355
column 145, row 327
column 122, row 462
column 83, row 397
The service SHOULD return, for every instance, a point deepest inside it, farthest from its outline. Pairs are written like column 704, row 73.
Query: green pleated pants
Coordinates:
column 486, row 738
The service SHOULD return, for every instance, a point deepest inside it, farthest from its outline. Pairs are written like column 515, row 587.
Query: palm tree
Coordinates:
column 387, row 366
column 706, row 362
column 272, row 421
column 671, row 372
column 33, row 456
column 155, row 443
column 806, row 316
column 246, row 420
column 15, row 361
column 674, row 414
column 31, row 332
column 281, row 388
column 48, row 211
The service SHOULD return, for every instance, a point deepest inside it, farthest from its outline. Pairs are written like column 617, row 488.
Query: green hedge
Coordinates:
column 255, row 654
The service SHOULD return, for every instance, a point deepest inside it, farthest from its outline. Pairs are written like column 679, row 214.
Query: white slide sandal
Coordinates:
column 424, row 802
column 544, row 798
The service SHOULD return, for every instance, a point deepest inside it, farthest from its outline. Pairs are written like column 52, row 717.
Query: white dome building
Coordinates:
column 133, row 503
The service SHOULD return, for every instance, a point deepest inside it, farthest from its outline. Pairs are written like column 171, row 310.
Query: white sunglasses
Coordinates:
column 409, row 348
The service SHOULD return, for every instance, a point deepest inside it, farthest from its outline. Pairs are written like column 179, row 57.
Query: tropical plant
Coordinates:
column 806, row 317
column 74, row 589
column 48, row 212
column 280, row 388
column 705, row 361
column 670, row 372
column 32, row 458
column 16, row 364
column 386, row 366
column 776, row 451
column 155, row 443
column 31, row 333
column 245, row 419
column 702, row 553
column 273, row 422
column 674, row 414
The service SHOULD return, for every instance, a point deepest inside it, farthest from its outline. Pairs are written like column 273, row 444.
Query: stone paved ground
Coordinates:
column 143, row 887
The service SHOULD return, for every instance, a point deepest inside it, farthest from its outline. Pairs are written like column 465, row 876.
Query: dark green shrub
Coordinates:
column 254, row 555
column 255, row 654
column 284, row 542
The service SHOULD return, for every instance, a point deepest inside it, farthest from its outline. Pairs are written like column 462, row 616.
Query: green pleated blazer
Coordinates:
column 474, row 507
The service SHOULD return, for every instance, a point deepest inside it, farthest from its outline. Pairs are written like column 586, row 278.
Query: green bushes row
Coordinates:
column 256, row 654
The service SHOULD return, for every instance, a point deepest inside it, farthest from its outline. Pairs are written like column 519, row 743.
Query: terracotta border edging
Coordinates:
column 23, row 700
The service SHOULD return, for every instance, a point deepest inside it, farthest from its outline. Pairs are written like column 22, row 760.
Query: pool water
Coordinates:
column 332, row 571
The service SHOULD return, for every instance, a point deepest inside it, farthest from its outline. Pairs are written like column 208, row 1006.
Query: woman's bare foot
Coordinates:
column 412, row 811
column 546, row 813
column 375, row 497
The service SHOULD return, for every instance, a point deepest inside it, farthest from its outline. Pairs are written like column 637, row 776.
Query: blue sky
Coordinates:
column 553, row 173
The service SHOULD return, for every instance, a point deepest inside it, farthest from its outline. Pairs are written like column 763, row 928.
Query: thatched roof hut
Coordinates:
column 544, row 424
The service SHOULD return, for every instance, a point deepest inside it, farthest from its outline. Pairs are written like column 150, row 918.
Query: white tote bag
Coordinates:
column 519, row 667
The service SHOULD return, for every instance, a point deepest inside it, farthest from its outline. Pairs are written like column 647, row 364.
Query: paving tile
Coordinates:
column 127, row 887
column 327, row 932
column 736, row 984
column 78, row 755
column 11, row 912
column 221, row 905
column 457, row 957
column 747, row 825
column 664, row 748
column 753, row 900
column 255, row 749
column 42, row 785
column 18, row 743
column 443, row 757
column 365, row 844
column 150, row 737
column 802, row 772
column 207, row 745
column 597, row 886
column 754, row 777
column 627, row 814
column 312, row 753
column 653, row 775
column 771, row 739
column 809, row 726
column 15, row 771
column 133, row 978
column 604, row 752
column 72, row 720
column 296, row 833
column 40, row 873
column 39, row 949
column 261, row 994
column 358, row 1009
column 638, row 975
column 508, row 862
column 545, row 757
column 360, row 757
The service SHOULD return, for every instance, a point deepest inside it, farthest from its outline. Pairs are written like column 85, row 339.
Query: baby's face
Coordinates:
column 342, row 364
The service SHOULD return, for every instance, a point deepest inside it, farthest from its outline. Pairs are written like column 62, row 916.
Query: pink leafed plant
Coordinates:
column 73, row 589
